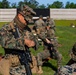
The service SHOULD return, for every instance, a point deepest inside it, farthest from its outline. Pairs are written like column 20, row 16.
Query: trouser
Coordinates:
column 41, row 56
column 4, row 67
column 45, row 54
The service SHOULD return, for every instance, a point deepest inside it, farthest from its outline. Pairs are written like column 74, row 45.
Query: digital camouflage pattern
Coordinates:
column 8, row 37
column 7, row 62
column 12, row 36
column 73, row 57
column 13, row 59
column 24, row 10
column 39, row 23
column 8, row 40
column 70, row 67
column 13, row 66
column 19, row 70
column 43, row 34
column 50, row 22
column 73, row 52
column 47, row 52
column 40, row 28
column 67, row 70
column 50, row 26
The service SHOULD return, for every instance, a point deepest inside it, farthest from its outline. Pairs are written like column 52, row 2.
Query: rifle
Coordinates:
column 53, row 51
column 25, row 58
column 50, row 46
column 25, row 55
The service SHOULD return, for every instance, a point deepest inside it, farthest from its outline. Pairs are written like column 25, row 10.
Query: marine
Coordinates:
column 16, row 38
column 72, row 54
column 49, row 47
column 39, row 24
column 70, row 67
column 50, row 25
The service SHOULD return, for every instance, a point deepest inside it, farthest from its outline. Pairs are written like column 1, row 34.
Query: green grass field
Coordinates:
column 66, row 37
column 65, row 22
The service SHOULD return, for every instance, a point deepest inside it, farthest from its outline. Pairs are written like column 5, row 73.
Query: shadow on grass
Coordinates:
column 48, row 64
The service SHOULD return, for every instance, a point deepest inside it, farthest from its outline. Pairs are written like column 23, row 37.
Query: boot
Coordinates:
column 40, row 71
column 58, row 71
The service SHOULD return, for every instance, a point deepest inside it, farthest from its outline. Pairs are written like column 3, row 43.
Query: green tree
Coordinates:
column 42, row 6
column 26, row 1
column 67, row 5
column 5, row 4
column 75, row 6
column 0, row 4
column 13, row 5
column 20, row 3
column 32, row 3
column 70, row 5
column 56, row 4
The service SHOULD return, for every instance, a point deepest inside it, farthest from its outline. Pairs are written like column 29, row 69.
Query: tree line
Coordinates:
column 34, row 4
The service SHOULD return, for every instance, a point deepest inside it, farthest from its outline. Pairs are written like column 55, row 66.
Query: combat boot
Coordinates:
column 40, row 71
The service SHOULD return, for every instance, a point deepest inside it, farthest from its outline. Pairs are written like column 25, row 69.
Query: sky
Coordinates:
column 45, row 2
column 51, row 1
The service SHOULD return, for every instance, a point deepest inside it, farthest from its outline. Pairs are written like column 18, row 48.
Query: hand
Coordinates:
column 48, row 27
column 29, row 43
column 74, row 73
column 48, row 41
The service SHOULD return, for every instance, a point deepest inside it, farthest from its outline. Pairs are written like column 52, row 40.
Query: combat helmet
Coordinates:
column 27, row 12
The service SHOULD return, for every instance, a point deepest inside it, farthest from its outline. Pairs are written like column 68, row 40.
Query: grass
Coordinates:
column 2, row 23
column 65, row 22
column 66, row 37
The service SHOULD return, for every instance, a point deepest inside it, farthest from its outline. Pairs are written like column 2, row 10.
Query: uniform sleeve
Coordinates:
column 53, row 23
column 43, row 23
column 30, row 36
column 42, row 36
column 35, row 24
column 2, row 35
column 7, row 39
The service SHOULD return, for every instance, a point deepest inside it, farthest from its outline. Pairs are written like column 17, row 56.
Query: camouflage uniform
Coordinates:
column 72, row 55
column 49, row 53
column 67, row 70
column 12, row 35
column 70, row 67
column 51, row 24
column 47, row 49
column 39, row 24
column 18, row 70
